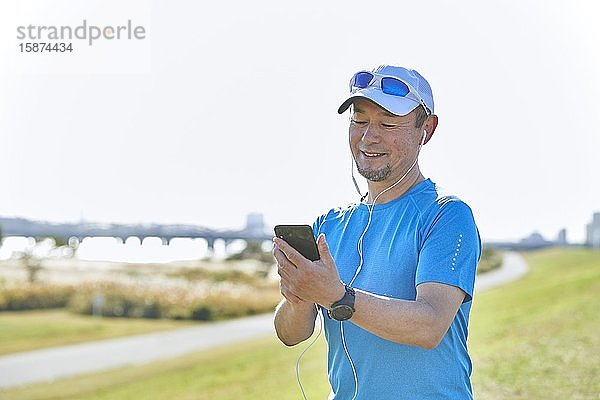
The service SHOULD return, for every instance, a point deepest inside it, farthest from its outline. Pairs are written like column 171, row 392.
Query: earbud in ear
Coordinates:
column 424, row 137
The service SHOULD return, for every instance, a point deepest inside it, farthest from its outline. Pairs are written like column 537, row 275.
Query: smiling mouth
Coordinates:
column 372, row 155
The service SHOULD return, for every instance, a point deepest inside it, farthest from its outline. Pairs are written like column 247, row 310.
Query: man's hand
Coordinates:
column 303, row 280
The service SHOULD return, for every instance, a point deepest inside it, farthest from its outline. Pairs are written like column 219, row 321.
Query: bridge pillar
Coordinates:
column 211, row 244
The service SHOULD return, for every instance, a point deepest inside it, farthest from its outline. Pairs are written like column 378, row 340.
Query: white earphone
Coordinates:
column 424, row 137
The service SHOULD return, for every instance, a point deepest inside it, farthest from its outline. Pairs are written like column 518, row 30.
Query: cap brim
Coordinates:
column 393, row 104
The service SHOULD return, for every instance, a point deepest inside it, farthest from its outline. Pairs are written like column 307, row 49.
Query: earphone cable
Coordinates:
column 321, row 323
column 349, row 359
column 370, row 207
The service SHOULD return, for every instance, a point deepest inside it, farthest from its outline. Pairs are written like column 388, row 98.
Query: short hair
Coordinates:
column 420, row 116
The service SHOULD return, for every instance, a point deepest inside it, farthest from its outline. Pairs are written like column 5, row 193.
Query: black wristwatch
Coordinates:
column 343, row 309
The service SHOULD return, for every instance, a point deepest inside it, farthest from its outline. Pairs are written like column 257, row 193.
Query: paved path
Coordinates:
column 513, row 267
column 49, row 364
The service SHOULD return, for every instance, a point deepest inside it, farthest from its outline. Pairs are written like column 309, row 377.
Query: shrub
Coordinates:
column 34, row 296
column 201, row 274
column 114, row 300
column 490, row 260
column 119, row 300
column 230, row 305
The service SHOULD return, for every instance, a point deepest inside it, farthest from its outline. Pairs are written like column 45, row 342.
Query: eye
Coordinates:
column 389, row 126
column 358, row 122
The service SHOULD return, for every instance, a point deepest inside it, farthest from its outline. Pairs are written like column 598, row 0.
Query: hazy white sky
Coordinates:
column 230, row 107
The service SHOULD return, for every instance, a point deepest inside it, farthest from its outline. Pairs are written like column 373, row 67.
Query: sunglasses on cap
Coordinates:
column 387, row 84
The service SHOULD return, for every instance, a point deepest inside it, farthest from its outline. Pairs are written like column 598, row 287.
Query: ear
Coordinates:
column 429, row 125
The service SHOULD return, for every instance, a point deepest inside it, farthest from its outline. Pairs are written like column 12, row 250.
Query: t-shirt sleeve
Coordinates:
column 318, row 223
column 451, row 248
column 316, row 226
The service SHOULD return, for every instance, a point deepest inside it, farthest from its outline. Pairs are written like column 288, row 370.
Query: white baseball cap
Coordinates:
column 396, row 89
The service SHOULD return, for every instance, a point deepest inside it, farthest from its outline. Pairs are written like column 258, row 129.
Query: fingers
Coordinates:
column 284, row 267
column 280, row 257
column 286, row 270
column 283, row 264
column 290, row 253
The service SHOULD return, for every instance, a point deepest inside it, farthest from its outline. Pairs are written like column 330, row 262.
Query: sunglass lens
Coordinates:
column 394, row 87
column 362, row 79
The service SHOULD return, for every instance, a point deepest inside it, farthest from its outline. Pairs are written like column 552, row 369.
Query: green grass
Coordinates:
column 30, row 330
column 256, row 370
column 537, row 338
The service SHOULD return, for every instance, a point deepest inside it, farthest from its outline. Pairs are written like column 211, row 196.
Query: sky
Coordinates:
column 225, row 108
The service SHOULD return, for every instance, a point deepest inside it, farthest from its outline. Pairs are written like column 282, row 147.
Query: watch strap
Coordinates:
column 346, row 301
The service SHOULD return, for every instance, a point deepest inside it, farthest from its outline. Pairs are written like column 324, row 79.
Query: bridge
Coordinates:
column 253, row 232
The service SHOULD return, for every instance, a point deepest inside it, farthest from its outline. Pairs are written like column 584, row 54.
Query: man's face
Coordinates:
column 384, row 145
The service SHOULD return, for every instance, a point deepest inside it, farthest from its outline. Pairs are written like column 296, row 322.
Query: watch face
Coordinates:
column 342, row 312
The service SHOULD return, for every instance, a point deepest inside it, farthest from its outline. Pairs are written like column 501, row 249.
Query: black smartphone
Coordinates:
column 301, row 238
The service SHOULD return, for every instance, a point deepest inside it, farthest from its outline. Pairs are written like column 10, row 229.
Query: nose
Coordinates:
column 370, row 135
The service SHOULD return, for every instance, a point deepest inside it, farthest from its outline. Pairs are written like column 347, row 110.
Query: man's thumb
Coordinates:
column 323, row 248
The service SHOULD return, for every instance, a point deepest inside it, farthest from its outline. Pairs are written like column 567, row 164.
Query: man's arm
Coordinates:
column 294, row 318
column 421, row 322
column 294, row 322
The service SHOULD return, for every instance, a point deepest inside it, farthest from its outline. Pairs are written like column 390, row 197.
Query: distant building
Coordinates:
column 561, row 240
column 255, row 223
column 593, row 232
column 534, row 241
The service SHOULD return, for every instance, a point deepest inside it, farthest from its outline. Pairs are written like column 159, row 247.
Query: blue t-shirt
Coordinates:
column 422, row 236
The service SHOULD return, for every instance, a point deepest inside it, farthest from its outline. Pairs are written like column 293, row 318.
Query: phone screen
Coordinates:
column 301, row 238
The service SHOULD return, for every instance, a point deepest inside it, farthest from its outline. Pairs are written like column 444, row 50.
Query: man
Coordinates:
column 395, row 279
